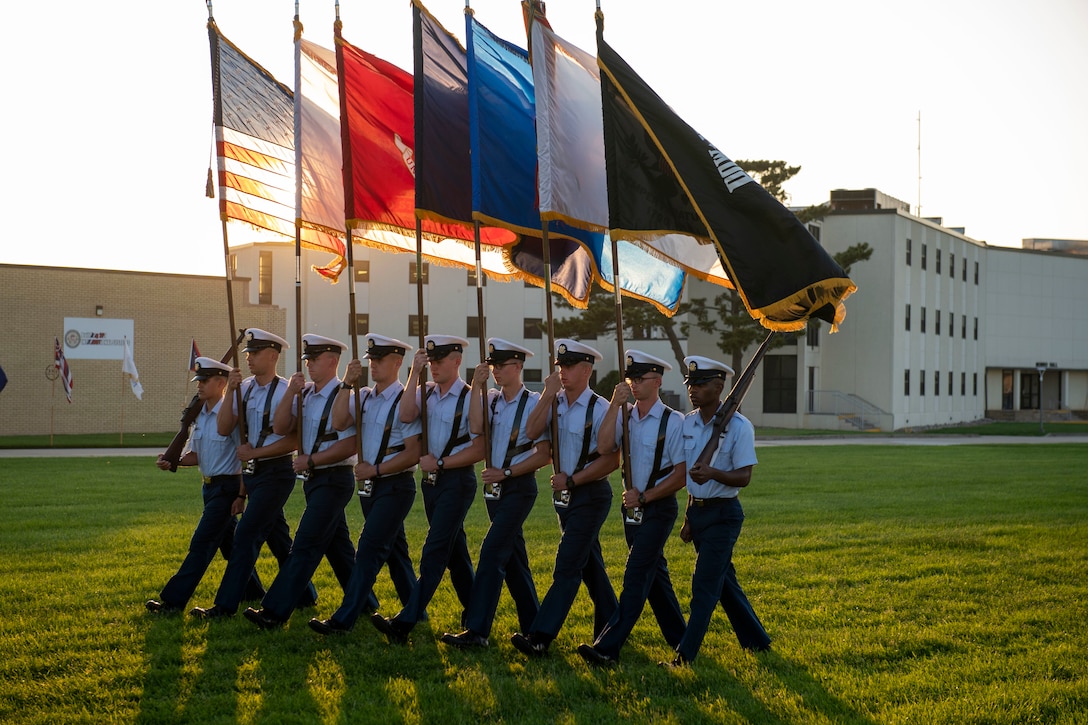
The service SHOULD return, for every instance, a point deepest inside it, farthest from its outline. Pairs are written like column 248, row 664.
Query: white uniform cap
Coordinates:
column 378, row 346
column 639, row 363
column 258, row 339
column 500, row 350
column 314, row 345
column 702, row 369
column 206, row 368
column 439, row 346
column 569, row 352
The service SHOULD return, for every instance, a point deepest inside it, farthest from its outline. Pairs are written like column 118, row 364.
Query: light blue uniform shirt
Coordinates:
column 441, row 410
column 644, row 442
column 215, row 454
column 313, row 408
column 737, row 449
column 375, row 415
column 501, row 413
column 255, row 397
column 572, row 424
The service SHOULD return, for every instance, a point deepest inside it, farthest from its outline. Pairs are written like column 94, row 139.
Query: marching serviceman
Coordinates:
column 267, row 478
column 214, row 454
column 509, row 492
column 658, row 471
column 581, row 495
column 714, row 516
column 385, row 478
column 449, row 480
column 324, row 465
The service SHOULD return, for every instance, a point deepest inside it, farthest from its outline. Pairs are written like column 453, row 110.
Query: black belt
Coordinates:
column 331, row 469
column 266, row 463
column 398, row 474
column 709, row 502
column 222, row 479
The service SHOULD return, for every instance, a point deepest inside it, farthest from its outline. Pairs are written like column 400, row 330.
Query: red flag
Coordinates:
column 194, row 353
column 62, row 368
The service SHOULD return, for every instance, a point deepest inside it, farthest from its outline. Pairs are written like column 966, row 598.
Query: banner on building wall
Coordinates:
column 95, row 338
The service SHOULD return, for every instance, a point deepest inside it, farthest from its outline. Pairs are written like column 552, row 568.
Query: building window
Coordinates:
column 472, row 326
column 780, row 384
column 965, row 269
column 951, row 265
column 234, row 266
column 471, row 276
column 950, row 383
column 951, row 325
column 906, row 382
column 963, row 328
column 923, row 320
column 362, row 323
column 907, row 319
column 533, row 329
column 264, row 279
column 362, row 271
column 1006, row 389
column 532, row 375
column 974, row 384
column 963, row 383
column 976, row 328
column 936, row 383
column 812, row 335
column 938, row 261
column 923, row 256
column 908, row 252
column 814, row 230
column 976, row 273
column 412, row 272
column 922, row 383
column 937, row 324
column 413, row 325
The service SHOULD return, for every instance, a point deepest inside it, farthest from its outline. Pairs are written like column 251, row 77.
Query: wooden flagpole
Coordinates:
column 481, row 330
column 297, row 25
column 422, row 332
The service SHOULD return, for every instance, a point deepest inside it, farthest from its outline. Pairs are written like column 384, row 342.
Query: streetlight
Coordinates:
column 1042, row 367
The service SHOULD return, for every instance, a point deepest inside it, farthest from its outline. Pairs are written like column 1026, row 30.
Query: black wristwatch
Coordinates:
column 441, row 463
column 641, row 498
column 507, row 472
column 346, row 386
column 570, row 482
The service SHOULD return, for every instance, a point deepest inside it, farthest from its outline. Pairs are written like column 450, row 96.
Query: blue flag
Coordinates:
column 3, row 379
column 502, row 132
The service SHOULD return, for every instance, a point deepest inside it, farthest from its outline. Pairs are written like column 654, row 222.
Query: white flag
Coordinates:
column 128, row 367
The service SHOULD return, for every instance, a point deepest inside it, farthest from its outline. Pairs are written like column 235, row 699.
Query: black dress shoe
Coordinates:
column 213, row 612
column 529, row 645
column 393, row 632
column 157, row 607
column 466, row 640
column 595, row 657
column 328, row 626
column 262, row 620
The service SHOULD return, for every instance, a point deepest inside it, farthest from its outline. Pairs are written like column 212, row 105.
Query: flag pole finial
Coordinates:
column 338, row 11
column 209, row 4
column 468, row 9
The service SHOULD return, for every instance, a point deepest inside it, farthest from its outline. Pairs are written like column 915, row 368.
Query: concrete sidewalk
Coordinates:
column 831, row 440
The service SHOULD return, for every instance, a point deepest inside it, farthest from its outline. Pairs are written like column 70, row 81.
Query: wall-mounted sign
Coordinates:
column 94, row 338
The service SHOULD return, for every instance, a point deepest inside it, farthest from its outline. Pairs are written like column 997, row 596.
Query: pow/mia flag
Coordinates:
column 673, row 192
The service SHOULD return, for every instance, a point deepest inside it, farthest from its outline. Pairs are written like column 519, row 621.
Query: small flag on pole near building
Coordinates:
column 3, row 379
column 62, row 368
column 128, row 367
column 194, row 353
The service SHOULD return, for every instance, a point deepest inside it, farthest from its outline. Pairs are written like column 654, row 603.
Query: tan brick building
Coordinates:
column 168, row 311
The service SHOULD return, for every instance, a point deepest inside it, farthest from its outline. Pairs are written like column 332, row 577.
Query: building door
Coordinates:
column 1029, row 391
column 1006, row 390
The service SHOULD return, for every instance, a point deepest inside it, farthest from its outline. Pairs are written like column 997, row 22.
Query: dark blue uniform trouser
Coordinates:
column 399, row 562
column 215, row 530
column 714, row 530
column 268, row 489
column 322, row 531
column 646, row 578
column 391, row 501
column 579, row 559
column 503, row 557
column 446, row 503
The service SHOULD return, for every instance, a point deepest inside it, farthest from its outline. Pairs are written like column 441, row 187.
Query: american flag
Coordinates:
column 62, row 368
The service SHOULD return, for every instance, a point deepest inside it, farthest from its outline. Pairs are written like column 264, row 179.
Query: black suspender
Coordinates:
column 456, row 440
column 586, row 457
column 266, row 420
column 383, row 449
column 322, row 436
column 512, row 449
column 656, row 474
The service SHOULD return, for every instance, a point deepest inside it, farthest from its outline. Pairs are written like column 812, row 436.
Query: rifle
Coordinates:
column 188, row 416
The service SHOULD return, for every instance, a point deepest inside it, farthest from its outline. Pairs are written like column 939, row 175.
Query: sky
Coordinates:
column 110, row 105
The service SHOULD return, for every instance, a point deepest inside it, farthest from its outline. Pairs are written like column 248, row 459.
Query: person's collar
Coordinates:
column 517, row 394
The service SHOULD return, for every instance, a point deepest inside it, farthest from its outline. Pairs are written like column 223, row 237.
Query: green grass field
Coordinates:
column 900, row 585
